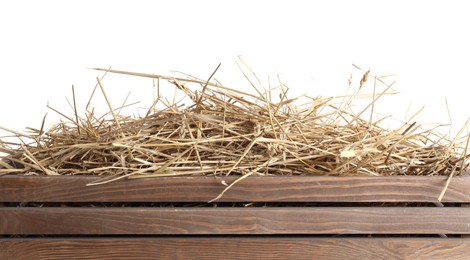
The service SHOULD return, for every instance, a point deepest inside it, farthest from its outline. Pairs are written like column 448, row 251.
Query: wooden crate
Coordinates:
column 301, row 218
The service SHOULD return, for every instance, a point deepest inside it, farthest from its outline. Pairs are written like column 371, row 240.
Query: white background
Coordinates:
column 46, row 46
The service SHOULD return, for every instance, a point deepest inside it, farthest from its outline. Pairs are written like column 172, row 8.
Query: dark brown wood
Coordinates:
column 252, row 189
column 235, row 248
column 283, row 220
column 466, row 205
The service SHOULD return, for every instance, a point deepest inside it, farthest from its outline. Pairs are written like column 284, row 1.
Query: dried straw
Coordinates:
column 227, row 131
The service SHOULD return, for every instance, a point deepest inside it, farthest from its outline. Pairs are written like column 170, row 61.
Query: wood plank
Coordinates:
column 466, row 205
column 235, row 248
column 283, row 220
column 253, row 189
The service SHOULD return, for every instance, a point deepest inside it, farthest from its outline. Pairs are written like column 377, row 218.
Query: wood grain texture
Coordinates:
column 235, row 248
column 466, row 205
column 252, row 189
column 283, row 220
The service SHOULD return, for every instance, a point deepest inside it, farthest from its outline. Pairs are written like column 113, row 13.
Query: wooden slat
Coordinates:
column 235, row 248
column 253, row 189
column 466, row 205
column 284, row 220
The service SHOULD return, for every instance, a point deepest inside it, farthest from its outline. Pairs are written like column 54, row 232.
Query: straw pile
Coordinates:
column 225, row 131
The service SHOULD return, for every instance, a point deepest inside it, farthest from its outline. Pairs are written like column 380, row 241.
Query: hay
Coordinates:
column 226, row 131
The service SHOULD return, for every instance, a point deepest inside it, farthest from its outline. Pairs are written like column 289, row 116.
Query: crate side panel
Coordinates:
column 235, row 248
column 223, row 221
column 253, row 189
